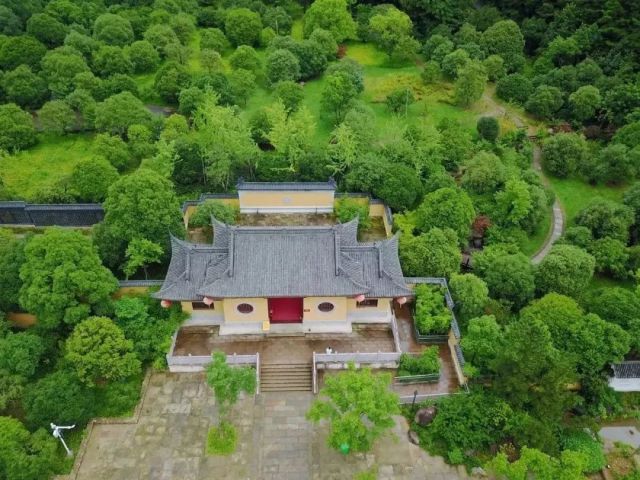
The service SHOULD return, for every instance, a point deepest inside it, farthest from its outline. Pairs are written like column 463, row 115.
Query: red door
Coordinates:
column 285, row 310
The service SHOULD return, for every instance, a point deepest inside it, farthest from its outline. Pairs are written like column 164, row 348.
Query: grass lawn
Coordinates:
column 535, row 241
column 574, row 194
column 54, row 157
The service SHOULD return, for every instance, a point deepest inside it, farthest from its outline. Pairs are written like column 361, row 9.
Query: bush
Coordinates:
column 222, row 440
column 347, row 209
column 488, row 128
column 432, row 316
column 584, row 443
column 222, row 212
column 428, row 362
column 514, row 88
column 399, row 100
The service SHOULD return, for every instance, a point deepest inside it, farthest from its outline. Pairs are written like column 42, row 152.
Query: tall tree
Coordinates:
column 330, row 15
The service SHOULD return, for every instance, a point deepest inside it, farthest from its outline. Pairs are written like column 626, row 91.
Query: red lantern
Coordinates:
column 401, row 300
column 360, row 298
column 165, row 303
column 208, row 301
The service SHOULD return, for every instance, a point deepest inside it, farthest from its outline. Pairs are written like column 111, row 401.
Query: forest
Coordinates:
column 439, row 108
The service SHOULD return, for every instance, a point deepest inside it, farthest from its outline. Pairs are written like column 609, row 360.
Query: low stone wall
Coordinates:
column 44, row 215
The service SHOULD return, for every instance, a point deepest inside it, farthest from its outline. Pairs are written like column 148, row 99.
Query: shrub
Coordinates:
column 428, row 362
column 399, row 100
column 431, row 313
column 488, row 128
column 584, row 443
column 222, row 440
column 222, row 212
column 347, row 209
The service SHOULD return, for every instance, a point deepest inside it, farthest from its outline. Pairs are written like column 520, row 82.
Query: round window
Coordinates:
column 325, row 307
column 245, row 308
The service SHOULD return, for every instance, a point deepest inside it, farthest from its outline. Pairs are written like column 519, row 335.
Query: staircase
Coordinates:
column 290, row 377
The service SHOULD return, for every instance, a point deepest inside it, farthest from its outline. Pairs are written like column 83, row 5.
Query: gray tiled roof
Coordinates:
column 283, row 262
column 295, row 186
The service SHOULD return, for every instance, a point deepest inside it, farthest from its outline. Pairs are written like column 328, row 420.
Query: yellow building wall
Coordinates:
column 260, row 310
column 216, row 310
column 285, row 199
column 311, row 312
column 383, row 306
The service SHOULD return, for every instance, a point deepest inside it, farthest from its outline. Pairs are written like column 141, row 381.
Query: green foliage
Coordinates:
column 20, row 353
column 60, row 398
column 488, row 128
column 447, row 208
column 428, row 362
column 213, row 39
column 582, row 442
column 118, row 112
column 169, row 80
column 99, row 352
column 330, row 15
column 113, row 149
column 211, row 208
column 347, row 209
column 140, row 253
column 611, row 257
column 242, row 26
column 245, row 57
column 567, row 270
column 11, row 259
column 435, row 253
column 494, row 66
column 23, row 455
column 484, row 173
column 563, row 153
column 143, row 56
column 47, row 29
column 113, row 29
column 222, row 440
column 545, row 101
column 431, row 317
column 359, row 407
column 482, row 342
column 228, row 382
column 16, row 128
column 535, row 464
column 391, row 31
column 504, row 38
column 619, row 306
column 469, row 293
column 24, row 87
column 60, row 67
column 399, row 100
column 584, row 102
column 606, row 218
column 91, row 179
column 430, row 73
column 290, row 93
column 282, row 65
column 63, row 278
column 514, row 88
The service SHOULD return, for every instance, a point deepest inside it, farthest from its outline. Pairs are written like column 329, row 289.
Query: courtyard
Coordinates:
column 275, row 442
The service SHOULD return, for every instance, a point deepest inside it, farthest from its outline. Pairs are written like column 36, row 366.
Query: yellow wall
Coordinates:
column 311, row 312
column 377, row 210
column 270, row 199
column 260, row 310
column 216, row 310
column 383, row 306
column 130, row 291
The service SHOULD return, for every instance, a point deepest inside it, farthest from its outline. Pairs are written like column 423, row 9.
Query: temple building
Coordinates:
column 254, row 280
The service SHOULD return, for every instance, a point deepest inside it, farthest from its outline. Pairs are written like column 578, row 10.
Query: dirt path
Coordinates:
column 558, row 218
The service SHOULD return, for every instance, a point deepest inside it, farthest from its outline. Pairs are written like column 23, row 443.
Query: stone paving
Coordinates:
column 275, row 442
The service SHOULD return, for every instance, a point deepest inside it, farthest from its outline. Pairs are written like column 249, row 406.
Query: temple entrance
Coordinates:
column 285, row 310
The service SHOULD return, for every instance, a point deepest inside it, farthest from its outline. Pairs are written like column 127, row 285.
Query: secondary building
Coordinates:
column 306, row 279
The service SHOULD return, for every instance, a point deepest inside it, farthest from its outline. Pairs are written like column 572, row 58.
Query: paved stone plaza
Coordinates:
column 275, row 442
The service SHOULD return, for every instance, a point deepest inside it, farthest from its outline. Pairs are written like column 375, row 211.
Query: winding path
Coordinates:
column 558, row 218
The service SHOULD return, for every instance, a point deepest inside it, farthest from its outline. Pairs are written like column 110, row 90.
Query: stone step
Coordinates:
column 292, row 366
column 281, row 377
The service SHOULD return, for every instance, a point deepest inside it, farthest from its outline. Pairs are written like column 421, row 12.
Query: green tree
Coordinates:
column 432, row 254
column 617, row 164
column 567, row 270
column 21, row 50
column 431, row 73
column 142, row 205
column 606, row 218
column 514, row 88
column 63, row 279
column 347, row 209
column 16, row 128
column 544, row 102
column 359, row 407
column 160, row 35
column 20, row 353
column 278, row 19
column 47, row 29
column 290, row 93
column 228, row 382
column 533, row 463
column 170, row 79
column 585, row 102
column 471, row 82
column 23, row 455
column 141, row 253
column 98, row 352
column 564, row 153
column 481, row 343
column 453, row 62
column 110, row 60
column 504, row 38
column 398, row 101
column 60, row 67
column 212, row 208
column 338, row 94
column 246, row 58
column 291, row 135
column 330, row 15
column 211, row 61
column 488, row 128
column 242, row 26
column 143, row 56
column 469, row 293
column 282, row 65
column 391, row 30
column 484, row 173
column 113, row 149
column 447, row 208
column 59, row 398
column 619, row 306
column 611, row 257
column 11, row 259
column 91, row 179
column 513, row 204
column 327, row 43
column 113, row 30
column 57, row 117
column 118, row 112
column 213, row 39
column 507, row 272
column 242, row 84
column 494, row 66
column 24, row 87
